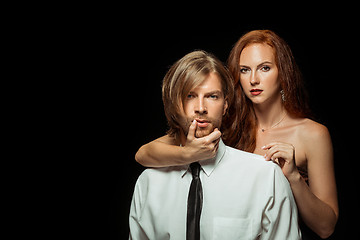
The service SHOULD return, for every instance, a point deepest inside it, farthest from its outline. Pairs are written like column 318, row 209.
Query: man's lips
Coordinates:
column 255, row 92
column 202, row 123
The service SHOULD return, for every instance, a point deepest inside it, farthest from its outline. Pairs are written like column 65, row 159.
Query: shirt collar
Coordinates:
column 209, row 165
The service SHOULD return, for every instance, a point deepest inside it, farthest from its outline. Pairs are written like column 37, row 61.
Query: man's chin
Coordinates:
column 202, row 132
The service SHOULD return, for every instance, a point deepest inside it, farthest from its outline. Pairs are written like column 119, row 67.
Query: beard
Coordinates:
column 201, row 131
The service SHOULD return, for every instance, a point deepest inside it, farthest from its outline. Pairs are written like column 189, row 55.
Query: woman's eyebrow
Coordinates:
column 265, row 62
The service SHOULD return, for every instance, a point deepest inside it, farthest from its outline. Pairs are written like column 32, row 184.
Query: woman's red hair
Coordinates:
column 240, row 122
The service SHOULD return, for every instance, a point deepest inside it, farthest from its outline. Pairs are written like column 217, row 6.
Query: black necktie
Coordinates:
column 194, row 204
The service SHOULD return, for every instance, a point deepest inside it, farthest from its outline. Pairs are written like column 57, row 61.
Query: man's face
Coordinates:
column 207, row 105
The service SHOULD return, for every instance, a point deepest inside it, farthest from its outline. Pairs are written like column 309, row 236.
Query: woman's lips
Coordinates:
column 255, row 92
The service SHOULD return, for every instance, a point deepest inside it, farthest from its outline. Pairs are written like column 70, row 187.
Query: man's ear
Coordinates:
column 226, row 105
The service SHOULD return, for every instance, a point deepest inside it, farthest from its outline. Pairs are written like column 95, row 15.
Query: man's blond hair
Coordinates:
column 185, row 75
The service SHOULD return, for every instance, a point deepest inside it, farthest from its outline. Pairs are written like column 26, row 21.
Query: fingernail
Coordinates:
column 263, row 147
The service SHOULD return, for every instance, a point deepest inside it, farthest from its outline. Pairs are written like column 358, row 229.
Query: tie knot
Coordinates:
column 195, row 169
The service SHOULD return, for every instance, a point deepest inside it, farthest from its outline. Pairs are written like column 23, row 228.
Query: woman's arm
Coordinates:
column 160, row 153
column 165, row 151
column 317, row 203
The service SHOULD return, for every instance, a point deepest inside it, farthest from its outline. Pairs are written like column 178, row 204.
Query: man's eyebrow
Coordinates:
column 214, row 92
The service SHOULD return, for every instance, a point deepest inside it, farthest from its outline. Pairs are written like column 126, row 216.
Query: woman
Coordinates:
column 269, row 117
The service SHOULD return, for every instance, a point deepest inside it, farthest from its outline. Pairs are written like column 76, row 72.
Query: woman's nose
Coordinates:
column 253, row 79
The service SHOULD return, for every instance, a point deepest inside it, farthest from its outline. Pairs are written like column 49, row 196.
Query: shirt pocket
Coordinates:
column 232, row 228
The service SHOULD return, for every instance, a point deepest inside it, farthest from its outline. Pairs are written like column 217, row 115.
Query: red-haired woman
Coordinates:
column 269, row 116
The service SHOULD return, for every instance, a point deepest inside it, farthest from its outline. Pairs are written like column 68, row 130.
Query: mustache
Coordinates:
column 202, row 118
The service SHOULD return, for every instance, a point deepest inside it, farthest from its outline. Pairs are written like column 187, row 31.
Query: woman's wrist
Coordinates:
column 186, row 156
column 294, row 178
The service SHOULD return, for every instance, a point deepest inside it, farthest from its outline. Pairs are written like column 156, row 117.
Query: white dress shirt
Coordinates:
column 244, row 197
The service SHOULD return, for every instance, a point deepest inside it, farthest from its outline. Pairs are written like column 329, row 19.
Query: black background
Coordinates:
column 119, row 104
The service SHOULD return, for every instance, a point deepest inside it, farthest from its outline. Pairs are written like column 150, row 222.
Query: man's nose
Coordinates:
column 201, row 107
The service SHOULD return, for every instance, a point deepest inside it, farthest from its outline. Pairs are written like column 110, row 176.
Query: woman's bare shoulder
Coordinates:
column 313, row 134
column 310, row 128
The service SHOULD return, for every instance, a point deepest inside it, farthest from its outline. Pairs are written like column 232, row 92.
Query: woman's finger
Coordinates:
column 268, row 146
column 271, row 152
column 192, row 128
column 212, row 137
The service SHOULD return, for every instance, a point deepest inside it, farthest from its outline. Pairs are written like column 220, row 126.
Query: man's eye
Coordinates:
column 214, row 96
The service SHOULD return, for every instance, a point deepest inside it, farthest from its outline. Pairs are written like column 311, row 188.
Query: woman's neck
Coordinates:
column 269, row 114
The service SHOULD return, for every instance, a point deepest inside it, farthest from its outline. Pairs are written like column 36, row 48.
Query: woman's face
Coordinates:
column 259, row 73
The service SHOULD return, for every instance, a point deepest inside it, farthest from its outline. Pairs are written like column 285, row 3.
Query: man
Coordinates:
column 235, row 195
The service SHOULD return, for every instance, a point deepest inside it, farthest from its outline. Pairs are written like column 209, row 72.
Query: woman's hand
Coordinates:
column 284, row 155
column 202, row 148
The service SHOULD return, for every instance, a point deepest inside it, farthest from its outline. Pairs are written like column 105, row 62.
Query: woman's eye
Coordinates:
column 243, row 70
column 189, row 96
column 214, row 96
column 265, row 68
